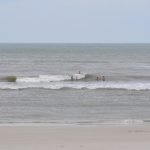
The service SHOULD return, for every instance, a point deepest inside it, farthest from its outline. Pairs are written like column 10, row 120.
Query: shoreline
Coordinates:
column 75, row 137
column 124, row 122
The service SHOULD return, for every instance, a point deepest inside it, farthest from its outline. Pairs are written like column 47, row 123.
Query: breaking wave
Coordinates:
column 74, row 77
column 75, row 81
column 51, row 78
column 76, row 85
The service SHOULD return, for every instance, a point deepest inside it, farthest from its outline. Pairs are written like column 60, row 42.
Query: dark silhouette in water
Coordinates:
column 97, row 78
column 79, row 72
column 100, row 78
column 71, row 78
column 103, row 78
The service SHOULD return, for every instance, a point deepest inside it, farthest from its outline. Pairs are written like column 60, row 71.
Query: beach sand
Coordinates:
column 75, row 137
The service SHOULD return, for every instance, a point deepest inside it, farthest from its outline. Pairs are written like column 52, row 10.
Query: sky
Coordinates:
column 75, row 21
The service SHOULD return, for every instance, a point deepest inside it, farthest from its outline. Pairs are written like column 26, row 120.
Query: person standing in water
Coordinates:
column 72, row 78
column 103, row 78
column 97, row 78
column 79, row 72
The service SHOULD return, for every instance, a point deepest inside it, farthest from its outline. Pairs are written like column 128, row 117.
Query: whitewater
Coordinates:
column 74, row 81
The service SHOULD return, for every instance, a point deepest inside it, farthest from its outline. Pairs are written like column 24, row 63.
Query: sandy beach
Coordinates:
column 75, row 137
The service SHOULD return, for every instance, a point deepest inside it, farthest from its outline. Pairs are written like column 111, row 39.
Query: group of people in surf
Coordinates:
column 98, row 78
column 101, row 78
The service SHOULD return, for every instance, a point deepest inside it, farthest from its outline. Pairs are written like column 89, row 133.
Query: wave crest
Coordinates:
column 51, row 78
column 84, row 81
column 77, row 85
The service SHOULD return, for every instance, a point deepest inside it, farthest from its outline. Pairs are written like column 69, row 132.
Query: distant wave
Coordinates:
column 75, row 81
column 74, row 77
column 51, row 78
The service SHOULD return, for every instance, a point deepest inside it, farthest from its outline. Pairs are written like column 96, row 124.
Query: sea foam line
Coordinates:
column 125, row 122
column 51, row 78
column 77, row 85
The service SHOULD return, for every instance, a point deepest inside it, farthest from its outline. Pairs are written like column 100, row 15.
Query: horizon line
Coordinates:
column 74, row 43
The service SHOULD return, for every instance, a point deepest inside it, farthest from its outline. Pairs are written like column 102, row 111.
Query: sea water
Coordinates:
column 57, row 83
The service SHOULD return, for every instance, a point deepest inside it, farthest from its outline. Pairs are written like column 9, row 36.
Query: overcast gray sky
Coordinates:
column 75, row 21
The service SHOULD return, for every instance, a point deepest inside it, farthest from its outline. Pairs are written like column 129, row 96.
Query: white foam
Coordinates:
column 50, row 78
column 132, row 121
column 127, row 122
column 78, row 76
column 44, row 78
column 76, row 85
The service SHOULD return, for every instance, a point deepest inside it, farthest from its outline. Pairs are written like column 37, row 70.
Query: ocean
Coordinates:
column 57, row 83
